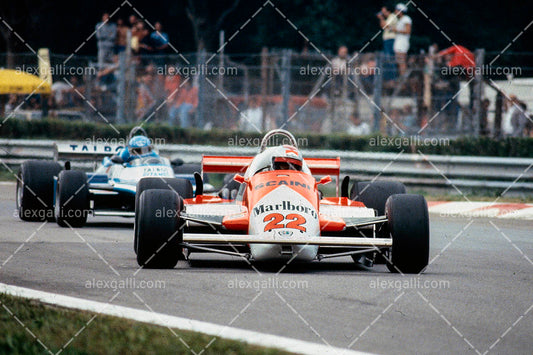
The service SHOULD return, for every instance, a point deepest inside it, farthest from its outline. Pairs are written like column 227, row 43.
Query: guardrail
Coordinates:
column 513, row 174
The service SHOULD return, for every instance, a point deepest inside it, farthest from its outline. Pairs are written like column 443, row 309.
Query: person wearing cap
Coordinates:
column 403, row 33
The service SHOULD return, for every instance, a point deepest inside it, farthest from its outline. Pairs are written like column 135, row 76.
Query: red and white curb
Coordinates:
column 482, row 209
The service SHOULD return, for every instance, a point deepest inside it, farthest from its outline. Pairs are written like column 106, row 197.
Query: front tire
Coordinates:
column 35, row 190
column 408, row 222
column 72, row 199
column 182, row 186
column 158, row 231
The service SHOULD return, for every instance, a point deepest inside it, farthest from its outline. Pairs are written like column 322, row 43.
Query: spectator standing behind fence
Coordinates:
column 122, row 36
column 356, row 127
column 387, row 21
column 339, row 69
column 519, row 120
column 145, row 96
column 159, row 39
column 402, row 31
column 105, row 37
column 251, row 119
column 511, row 105
column 185, row 104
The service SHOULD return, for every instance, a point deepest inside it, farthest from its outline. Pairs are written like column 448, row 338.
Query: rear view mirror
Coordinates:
column 117, row 159
column 239, row 178
column 324, row 180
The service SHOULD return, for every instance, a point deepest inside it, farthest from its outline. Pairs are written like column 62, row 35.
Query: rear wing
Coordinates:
column 87, row 152
column 238, row 164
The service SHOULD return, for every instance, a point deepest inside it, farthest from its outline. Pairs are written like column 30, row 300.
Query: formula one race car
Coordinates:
column 280, row 214
column 47, row 191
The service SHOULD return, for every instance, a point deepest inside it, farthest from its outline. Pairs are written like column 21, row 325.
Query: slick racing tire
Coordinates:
column 158, row 229
column 408, row 223
column 375, row 194
column 182, row 186
column 72, row 199
column 35, row 190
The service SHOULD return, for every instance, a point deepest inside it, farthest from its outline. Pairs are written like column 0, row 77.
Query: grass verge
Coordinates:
column 56, row 327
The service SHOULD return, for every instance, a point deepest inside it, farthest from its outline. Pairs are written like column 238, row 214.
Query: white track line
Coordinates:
column 248, row 336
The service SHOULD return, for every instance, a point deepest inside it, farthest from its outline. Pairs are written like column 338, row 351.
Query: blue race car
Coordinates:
column 47, row 191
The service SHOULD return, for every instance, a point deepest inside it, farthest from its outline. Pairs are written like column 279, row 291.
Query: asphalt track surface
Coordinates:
column 476, row 295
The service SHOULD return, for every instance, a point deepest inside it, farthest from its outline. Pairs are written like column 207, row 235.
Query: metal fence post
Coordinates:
column 286, row 83
column 378, row 84
column 121, row 88
column 478, row 90
column 200, row 112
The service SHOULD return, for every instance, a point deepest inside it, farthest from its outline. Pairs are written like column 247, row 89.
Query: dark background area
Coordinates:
column 63, row 25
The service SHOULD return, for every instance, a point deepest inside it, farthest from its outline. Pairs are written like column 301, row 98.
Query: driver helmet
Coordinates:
column 140, row 145
column 287, row 157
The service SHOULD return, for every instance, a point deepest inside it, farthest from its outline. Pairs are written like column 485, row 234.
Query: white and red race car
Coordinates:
column 276, row 211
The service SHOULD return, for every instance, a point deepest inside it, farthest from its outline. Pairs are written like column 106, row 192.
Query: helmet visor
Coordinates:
column 284, row 163
column 141, row 150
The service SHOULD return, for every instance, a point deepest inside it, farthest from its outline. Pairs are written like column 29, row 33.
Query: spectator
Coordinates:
column 105, row 36
column 461, row 57
column 403, row 34
column 409, row 120
column 185, row 105
column 511, row 107
column 145, row 47
column 339, row 69
column 145, row 97
column 133, row 21
column 159, row 39
column 251, row 119
column 122, row 36
column 519, row 120
column 11, row 104
column 387, row 21
column 356, row 127
column 107, row 76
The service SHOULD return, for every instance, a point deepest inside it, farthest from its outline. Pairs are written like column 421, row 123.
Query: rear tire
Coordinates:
column 72, row 199
column 375, row 194
column 158, row 229
column 35, row 190
column 408, row 222
column 182, row 186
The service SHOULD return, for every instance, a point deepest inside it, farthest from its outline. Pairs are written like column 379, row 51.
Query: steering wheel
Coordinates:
column 281, row 132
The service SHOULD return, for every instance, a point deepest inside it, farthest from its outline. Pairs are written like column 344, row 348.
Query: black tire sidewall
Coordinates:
column 159, row 233
column 408, row 223
column 36, row 179
column 72, row 198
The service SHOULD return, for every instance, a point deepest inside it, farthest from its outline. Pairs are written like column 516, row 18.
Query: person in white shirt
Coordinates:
column 356, row 127
column 403, row 33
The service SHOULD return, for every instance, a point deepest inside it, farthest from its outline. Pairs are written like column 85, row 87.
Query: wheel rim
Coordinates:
column 57, row 205
column 20, row 191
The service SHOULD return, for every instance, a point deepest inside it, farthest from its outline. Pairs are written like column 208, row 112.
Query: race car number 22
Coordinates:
column 276, row 221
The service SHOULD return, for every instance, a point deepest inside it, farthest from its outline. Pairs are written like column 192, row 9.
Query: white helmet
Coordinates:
column 286, row 157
